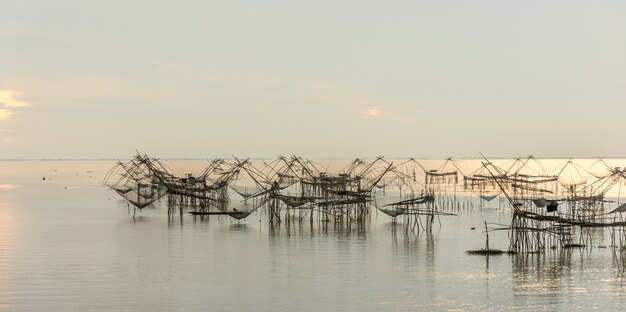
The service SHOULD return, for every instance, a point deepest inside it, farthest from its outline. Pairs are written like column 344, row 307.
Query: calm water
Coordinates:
column 67, row 243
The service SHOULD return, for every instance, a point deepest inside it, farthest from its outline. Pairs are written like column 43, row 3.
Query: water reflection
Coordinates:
column 94, row 255
column 238, row 227
column 7, row 223
column 318, row 229
column 139, row 219
column 173, row 220
column 8, row 186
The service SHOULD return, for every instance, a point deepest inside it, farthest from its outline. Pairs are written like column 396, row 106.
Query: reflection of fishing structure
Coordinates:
column 289, row 189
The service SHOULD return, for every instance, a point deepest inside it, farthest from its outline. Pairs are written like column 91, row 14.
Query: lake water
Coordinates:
column 68, row 243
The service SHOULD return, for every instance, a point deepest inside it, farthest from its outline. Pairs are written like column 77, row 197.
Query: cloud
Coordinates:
column 8, row 102
column 372, row 113
column 386, row 112
column 8, row 99
column 5, row 114
column 380, row 112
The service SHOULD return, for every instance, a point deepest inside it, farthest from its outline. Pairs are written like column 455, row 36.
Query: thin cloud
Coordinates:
column 8, row 102
column 382, row 113
column 5, row 114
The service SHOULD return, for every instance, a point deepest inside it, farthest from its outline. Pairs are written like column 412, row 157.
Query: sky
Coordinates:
column 319, row 79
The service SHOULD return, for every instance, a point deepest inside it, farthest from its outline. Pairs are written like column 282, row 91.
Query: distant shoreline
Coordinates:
column 323, row 158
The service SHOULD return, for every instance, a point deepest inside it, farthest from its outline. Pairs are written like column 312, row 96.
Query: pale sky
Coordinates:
column 205, row 79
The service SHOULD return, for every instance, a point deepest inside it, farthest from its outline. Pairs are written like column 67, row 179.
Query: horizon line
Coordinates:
column 321, row 158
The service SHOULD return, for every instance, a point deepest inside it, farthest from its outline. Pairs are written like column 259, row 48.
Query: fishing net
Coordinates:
column 240, row 209
column 141, row 198
column 245, row 191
